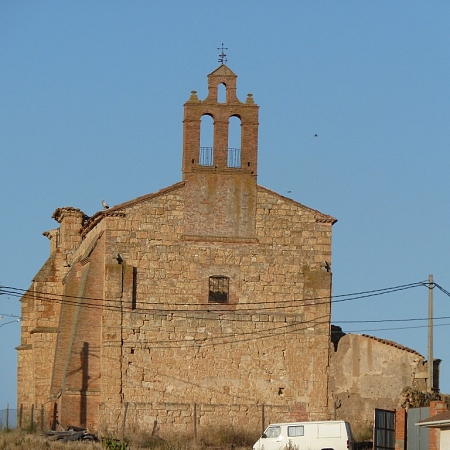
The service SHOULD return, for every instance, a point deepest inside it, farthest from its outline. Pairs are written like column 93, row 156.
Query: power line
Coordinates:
column 11, row 321
column 226, row 315
column 397, row 328
column 232, row 338
column 391, row 320
column 213, row 313
column 8, row 315
column 278, row 304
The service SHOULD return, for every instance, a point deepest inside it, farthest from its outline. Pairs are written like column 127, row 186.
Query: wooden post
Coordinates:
column 32, row 416
column 430, row 335
column 42, row 417
column 263, row 418
column 54, row 417
column 7, row 416
column 124, row 420
column 195, row 423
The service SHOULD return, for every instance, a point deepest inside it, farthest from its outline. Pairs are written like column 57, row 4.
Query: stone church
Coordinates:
column 205, row 303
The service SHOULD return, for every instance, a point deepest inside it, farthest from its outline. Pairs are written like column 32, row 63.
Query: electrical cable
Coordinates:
column 16, row 292
column 221, row 314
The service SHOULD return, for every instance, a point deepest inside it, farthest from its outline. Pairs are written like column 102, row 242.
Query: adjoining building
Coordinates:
column 368, row 372
column 438, row 425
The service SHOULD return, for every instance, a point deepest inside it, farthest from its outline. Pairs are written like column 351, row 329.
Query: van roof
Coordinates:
column 307, row 421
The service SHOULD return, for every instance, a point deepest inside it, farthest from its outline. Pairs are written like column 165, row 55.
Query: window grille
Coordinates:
column 218, row 289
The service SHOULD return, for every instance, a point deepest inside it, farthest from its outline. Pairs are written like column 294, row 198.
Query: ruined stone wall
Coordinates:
column 369, row 373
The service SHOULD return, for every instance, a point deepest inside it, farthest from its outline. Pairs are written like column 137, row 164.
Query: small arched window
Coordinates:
column 221, row 93
column 218, row 289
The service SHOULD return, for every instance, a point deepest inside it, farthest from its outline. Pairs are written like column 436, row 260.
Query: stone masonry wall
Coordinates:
column 160, row 342
column 268, row 346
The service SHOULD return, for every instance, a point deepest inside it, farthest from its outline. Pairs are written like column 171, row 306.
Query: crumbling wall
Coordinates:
column 369, row 373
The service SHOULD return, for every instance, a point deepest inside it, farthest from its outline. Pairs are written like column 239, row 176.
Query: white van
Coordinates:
column 324, row 435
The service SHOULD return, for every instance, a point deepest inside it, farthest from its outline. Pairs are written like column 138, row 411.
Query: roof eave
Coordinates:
column 435, row 424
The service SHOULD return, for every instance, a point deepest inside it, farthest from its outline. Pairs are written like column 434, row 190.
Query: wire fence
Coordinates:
column 194, row 419
column 25, row 418
column 8, row 418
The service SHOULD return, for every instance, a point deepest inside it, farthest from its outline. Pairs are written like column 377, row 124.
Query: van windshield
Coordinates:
column 273, row 432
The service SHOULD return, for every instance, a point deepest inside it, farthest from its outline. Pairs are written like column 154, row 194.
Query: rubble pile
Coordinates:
column 413, row 398
column 72, row 434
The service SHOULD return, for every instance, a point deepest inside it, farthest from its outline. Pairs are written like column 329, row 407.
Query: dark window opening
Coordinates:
column 134, row 294
column 218, row 289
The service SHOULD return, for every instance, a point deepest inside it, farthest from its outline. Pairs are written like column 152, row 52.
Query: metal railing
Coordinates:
column 206, row 157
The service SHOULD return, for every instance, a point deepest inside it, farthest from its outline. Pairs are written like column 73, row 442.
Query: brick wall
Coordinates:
column 400, row 429
column 436, row 407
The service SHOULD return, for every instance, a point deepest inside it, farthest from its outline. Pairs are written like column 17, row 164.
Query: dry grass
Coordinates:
column 362, row 433
column 21, row 440
column 219, row 438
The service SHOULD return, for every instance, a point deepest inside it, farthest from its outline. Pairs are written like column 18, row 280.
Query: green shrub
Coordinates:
column 114, row 444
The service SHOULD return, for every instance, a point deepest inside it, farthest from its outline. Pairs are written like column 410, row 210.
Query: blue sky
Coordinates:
column 91, row 107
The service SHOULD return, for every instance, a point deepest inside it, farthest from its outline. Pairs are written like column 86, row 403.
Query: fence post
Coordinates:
column 7, row 416
column 263, row 418
column 124, row 420
column 42, row 417
column 195, row 424
column 54, row 417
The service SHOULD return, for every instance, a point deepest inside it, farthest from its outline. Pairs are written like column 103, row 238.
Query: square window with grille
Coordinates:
column 218, row 289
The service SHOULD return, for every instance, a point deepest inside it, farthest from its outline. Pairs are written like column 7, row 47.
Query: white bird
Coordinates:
column 105, row 205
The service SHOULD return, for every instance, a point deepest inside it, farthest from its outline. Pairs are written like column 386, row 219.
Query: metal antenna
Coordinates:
column 222, row 56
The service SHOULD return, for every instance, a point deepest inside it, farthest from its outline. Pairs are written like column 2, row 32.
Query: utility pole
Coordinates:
column 430, row 335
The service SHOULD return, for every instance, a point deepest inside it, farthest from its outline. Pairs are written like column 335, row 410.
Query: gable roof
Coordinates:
column 393, row 344
column 117, row 209
column 223, row 70
column 439, row 420
column 320, row 217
